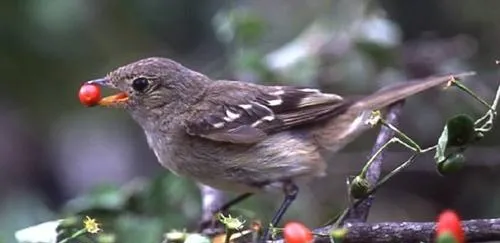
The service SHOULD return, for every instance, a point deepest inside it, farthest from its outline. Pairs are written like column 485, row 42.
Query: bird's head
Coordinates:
column 148, row 86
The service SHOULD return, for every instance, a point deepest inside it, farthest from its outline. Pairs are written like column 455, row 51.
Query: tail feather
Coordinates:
column 342, row 129
column 401, row 91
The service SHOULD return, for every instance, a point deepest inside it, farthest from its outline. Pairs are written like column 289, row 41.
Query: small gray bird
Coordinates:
column 238, row 136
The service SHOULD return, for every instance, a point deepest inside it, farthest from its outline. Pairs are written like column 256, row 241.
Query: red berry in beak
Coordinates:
column 89, row 94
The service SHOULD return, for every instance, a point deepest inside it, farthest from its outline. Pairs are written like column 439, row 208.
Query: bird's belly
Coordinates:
column 243, row 168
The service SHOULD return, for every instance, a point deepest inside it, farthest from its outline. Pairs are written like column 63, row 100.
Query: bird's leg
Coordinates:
column 291, row 190
column 233, row 202
column 211, row 225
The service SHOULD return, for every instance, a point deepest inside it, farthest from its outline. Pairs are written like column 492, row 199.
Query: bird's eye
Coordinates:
column 140, row 84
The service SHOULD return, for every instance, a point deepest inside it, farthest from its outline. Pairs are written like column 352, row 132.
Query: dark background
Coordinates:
column 53, row 150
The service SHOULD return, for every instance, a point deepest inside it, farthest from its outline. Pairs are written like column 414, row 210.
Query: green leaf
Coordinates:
column 441, row 146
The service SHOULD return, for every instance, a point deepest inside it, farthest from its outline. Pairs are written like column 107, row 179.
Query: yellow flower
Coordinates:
column 230, row 222
column 91, row 225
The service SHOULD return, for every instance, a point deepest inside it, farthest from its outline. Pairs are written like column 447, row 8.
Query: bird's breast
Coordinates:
column 238, row 167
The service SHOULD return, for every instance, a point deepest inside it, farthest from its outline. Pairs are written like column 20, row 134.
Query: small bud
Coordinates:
column 338, row 235
column 359, row 187
column 451, row 164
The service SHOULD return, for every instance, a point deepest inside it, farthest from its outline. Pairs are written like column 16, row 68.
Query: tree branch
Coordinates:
column 477, row 230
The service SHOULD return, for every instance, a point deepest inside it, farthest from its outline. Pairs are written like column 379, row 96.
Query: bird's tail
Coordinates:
column 394, row 93
column 342, row 129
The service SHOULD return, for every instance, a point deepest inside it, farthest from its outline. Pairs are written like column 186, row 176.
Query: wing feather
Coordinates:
column 247, row 113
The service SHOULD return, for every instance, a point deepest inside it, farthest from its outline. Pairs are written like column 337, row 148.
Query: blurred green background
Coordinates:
column 58, row 158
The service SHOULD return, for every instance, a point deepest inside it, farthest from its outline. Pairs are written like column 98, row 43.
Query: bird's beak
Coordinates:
column 104, row 82
column 112, row 100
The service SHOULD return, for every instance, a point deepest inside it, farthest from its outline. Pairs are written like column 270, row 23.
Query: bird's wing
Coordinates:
column 246, row 113
column 239, row 112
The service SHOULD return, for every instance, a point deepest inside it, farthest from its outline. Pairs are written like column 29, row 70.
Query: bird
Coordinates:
column 239, row 136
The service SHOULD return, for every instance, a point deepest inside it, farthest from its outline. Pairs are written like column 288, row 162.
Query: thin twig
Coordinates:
column 370, row 192
column 359, row 213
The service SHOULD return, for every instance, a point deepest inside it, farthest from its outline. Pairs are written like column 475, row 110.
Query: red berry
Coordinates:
column 449, row 222
column 295, row 232
column 89, row 94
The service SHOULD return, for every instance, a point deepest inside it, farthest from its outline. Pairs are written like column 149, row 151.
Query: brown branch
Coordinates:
column 477, row 230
